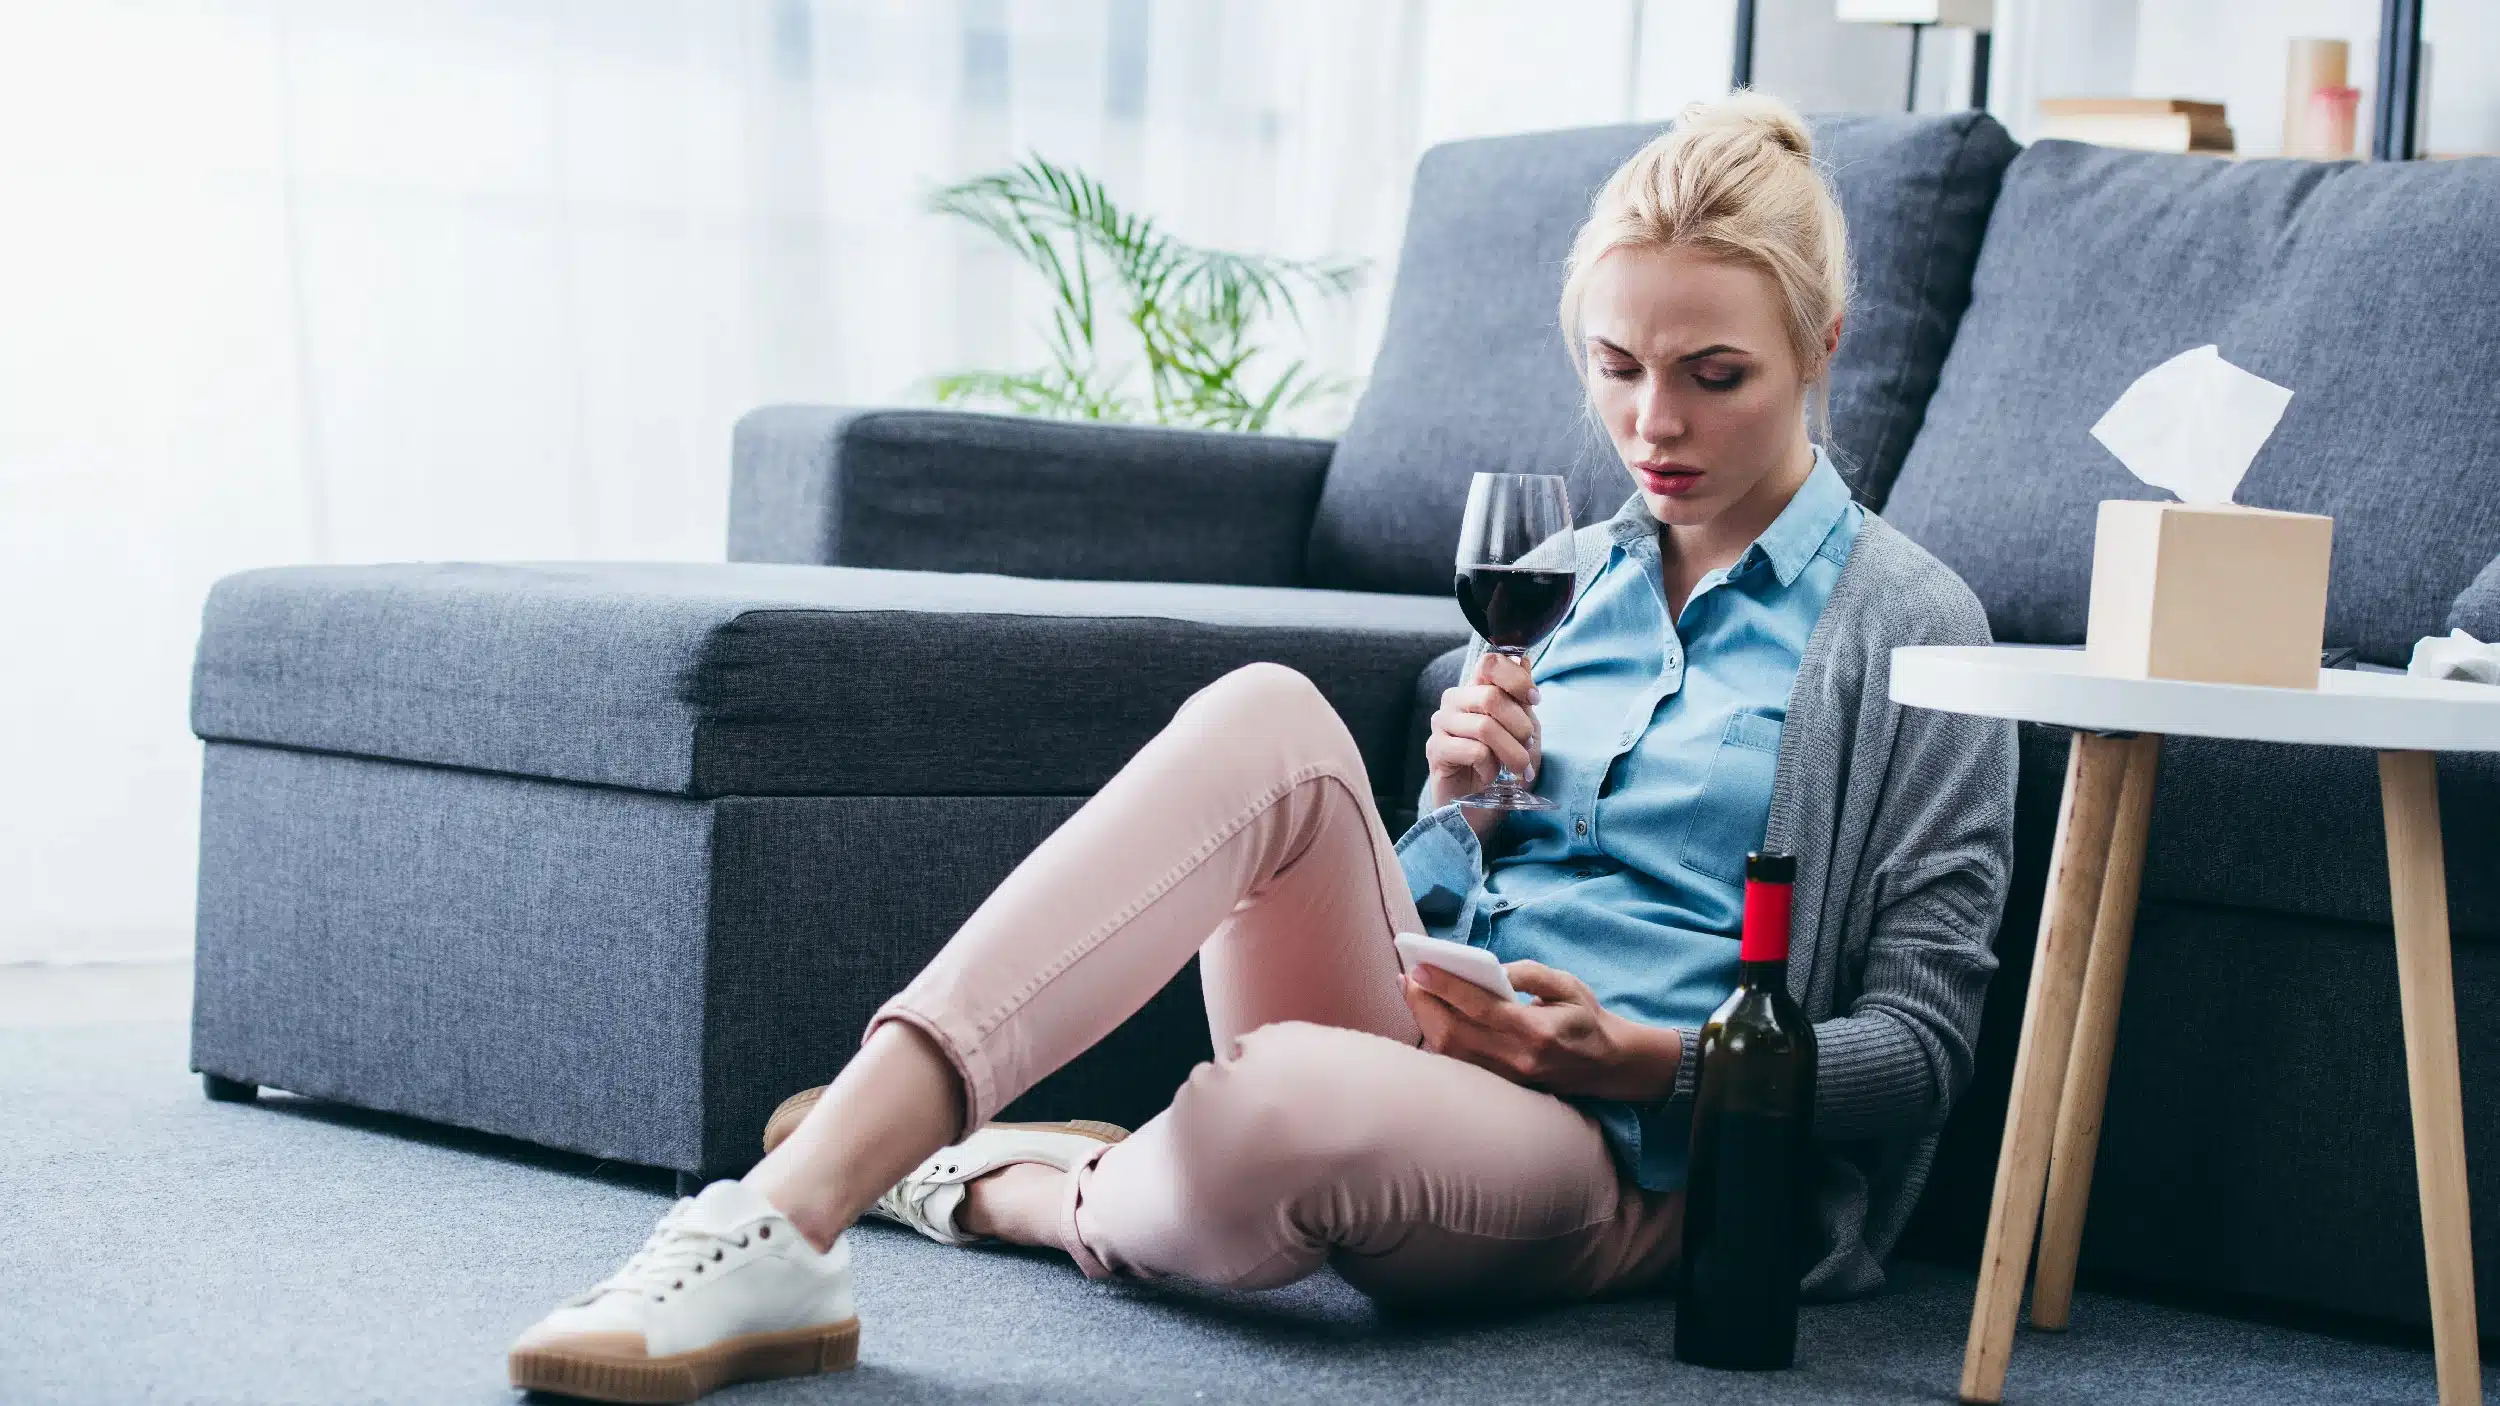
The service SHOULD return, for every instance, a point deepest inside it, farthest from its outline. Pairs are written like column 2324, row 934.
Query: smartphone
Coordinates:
column 1473, row 965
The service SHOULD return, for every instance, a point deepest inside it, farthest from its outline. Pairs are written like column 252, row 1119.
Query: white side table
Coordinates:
column 2061, row 1069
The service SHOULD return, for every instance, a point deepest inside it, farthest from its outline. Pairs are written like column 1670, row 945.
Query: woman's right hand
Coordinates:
column 1482, row 726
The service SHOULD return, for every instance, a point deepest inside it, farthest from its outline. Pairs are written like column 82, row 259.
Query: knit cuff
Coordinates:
column 1687, row 1068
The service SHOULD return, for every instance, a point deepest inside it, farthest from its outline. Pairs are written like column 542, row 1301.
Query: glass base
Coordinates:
column 1503, row 795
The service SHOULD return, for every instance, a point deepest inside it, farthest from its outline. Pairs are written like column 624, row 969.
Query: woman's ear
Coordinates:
column 1831, row 339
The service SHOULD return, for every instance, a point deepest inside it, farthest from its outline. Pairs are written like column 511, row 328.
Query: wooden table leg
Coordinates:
column 2077, row 861
column 2417, row 882
column 2096, row 1035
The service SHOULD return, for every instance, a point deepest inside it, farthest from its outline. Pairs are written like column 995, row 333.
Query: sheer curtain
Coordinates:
column 318, row 281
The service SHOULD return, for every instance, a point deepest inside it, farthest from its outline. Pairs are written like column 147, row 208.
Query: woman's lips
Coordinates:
column 1671, row 480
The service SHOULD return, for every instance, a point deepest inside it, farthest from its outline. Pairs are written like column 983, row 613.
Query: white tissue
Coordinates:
column 2460, row 656
column 2193, row 424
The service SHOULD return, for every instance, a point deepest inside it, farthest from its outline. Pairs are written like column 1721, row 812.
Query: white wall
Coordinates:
column 1490, row 66
column 1805, row 54
column 2056, row 49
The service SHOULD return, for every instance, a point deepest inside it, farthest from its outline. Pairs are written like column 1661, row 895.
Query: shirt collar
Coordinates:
column 1788, row 543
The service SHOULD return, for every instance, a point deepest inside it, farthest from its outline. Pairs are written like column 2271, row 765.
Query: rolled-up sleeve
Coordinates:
column 1444, row 866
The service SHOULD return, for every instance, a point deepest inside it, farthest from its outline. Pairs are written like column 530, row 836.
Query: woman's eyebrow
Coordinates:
column 1714, row 349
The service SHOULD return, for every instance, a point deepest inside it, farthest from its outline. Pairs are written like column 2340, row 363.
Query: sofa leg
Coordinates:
column 221, row 1089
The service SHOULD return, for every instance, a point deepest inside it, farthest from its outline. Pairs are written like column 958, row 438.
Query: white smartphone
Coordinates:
column 1473, row 965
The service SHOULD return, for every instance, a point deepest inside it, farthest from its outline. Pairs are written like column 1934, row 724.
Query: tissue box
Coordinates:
column 2210, row 592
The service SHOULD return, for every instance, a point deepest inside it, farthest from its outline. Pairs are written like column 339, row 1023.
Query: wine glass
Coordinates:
column 1514, row 583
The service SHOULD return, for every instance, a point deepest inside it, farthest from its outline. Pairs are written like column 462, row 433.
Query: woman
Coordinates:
column 1721, row 679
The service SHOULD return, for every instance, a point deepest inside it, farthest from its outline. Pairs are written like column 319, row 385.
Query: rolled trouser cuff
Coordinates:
column 1079, row 1176
column 973, row 1070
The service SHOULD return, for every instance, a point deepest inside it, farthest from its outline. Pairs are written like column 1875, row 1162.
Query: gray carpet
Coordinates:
column 166, row 1249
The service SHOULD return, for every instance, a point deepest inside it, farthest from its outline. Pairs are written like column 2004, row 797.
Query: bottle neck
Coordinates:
column 1766, row 924
column 1771, row 975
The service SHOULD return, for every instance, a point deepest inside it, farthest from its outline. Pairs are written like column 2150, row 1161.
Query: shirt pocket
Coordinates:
column 1734, row 805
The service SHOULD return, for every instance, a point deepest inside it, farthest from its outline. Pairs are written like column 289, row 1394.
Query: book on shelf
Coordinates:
column 2145, row 124
column 2133, row 107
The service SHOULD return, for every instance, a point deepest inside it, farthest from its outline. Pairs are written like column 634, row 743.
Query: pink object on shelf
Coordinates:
column 2330, row 125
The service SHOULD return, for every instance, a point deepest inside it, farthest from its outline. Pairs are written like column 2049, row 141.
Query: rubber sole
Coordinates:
column 663, row 1381
column 795, row 1108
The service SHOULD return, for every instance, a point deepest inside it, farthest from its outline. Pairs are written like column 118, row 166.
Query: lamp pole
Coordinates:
column 2397, row 110
column 1743, row 75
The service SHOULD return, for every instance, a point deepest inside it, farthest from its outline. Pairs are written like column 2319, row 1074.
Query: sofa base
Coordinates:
column 618, row 973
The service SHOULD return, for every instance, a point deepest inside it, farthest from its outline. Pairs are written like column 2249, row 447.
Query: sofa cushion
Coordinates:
column 1473, row 376
column 756, row 679
column 2477, row 609
column 2368, row 289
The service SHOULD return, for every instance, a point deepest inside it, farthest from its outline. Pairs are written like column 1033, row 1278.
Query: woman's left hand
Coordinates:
column 1566, row 1043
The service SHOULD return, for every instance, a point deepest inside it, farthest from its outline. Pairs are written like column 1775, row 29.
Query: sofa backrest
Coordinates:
column 2371, row 290
column 2477, row 611
column 1473, row 376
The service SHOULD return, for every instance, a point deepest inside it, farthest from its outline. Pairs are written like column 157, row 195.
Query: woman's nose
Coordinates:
column 1654, row 419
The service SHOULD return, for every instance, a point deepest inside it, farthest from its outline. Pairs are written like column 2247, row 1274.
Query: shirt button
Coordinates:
column 1579, row 827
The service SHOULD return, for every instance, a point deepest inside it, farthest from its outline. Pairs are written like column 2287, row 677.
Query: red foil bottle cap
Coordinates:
column 1768, row 896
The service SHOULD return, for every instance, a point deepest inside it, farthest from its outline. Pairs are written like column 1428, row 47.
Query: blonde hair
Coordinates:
column 1733, row 179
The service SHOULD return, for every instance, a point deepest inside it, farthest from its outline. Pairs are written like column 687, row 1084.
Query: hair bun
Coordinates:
column 1758, row 115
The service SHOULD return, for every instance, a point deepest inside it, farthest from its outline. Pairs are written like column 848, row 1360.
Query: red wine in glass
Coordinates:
column 1514, row 584
column 1513, row 606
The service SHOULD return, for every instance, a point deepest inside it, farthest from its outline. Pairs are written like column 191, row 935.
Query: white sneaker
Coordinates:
column 928, row 1199
column 725, row 1290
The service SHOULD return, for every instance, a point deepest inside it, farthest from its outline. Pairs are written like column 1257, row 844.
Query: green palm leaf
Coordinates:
column 1196, row 313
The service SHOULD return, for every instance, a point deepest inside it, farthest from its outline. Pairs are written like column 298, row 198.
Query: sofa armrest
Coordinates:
column 2477, row 608
column 1437, row 678
column 944, row 490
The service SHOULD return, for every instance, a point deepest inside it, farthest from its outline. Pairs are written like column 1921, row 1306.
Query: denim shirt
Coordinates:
column 1660, row 740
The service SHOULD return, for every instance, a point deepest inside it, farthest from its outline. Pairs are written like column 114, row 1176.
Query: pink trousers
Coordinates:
column 1245, row 833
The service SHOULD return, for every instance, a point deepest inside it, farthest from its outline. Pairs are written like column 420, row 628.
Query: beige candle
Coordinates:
column 2315, row 64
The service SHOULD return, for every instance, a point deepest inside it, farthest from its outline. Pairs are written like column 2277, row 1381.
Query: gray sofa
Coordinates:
column 611, row 857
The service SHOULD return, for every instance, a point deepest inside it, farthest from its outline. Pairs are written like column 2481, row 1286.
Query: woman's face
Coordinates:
column 1690, row 369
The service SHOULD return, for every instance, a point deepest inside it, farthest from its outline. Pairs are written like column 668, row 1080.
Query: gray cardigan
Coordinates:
column 1902, row 822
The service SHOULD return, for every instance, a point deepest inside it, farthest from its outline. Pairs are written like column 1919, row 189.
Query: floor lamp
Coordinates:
column 2398, row 114
column 1978, row 16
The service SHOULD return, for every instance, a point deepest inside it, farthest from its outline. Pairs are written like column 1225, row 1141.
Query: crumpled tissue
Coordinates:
column 2459, row 656
column 2193, row 424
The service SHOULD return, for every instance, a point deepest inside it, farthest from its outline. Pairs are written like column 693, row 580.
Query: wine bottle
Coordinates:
column 1747, row 1204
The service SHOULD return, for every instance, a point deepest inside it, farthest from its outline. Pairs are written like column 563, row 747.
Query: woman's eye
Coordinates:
column 1726, row 382
column 1620, row 373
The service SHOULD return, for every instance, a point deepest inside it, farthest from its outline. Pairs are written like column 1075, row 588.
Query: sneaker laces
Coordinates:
column 909, row 1200
column 677, row 1251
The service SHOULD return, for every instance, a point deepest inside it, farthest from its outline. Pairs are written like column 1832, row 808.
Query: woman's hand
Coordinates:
column 1564, row 1044
column 1481, row 727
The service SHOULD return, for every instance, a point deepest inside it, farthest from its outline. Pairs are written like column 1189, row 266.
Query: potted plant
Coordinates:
column 1195, row 316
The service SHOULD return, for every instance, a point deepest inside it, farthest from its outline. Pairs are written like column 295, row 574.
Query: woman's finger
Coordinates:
column 1492, row 703
column 1460, row 756
column 1510, row 676
column 1469, row 1001
column 1434, row 1018
column 1507, row 749
column 1545, row 983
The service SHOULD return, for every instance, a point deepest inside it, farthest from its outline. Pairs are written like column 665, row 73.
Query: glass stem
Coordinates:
column 1503, row 776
